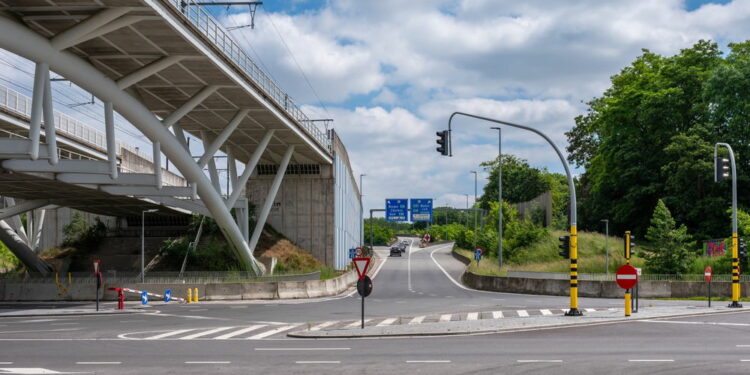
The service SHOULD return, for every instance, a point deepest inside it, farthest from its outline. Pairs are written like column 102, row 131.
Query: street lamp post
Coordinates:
column 143, row 242
column 361, row 212
column 735, row 238
column 606, row 247
column 573, row 310
column 475, row 213
column 499, row 195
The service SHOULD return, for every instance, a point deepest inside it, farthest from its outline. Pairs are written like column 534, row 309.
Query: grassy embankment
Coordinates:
column 542, row 256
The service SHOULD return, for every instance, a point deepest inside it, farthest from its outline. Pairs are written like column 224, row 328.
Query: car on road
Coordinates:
column 395, row 250
column 402, row 247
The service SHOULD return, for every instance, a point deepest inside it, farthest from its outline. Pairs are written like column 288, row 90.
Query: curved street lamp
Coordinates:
column 573, row 311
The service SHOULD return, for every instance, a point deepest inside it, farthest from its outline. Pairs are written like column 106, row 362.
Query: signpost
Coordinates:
column 144, row 297
column 421, row 209
column 167, row 295
column 707, row 276
column 98, row 276
column 627, row 278
column 364, row 284
column 395, row 209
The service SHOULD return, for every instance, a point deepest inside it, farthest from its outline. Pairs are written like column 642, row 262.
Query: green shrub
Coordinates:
column 80, row 235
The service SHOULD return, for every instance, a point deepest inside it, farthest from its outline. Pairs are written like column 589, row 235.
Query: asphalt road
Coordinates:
column 242, row 337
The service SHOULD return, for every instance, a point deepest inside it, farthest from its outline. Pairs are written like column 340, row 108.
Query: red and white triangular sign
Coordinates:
column 361, row 265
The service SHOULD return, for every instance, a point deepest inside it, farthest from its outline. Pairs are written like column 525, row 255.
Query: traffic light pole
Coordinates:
column 573, row 310
column 735, row 237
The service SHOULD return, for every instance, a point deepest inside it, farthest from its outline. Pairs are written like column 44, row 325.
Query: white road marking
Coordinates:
column 6, row 363
column 237, row 307
column 131, row 321
column 299, row 349
column 198, row 310
column 170, row 333
column 698, row 323
column 744, row 360
column 317, row 362
column 386, row 322
column 98, row 363
column 539, row 361
column 272, row 332
column 44, row 330
column 650, row 360
column 358, row 323
column 590, row 310
column 430, row 361
column 522, row 313
column 205, row 333
column 545, row 312
column 432, row 255
column 239, row 332
column 472, row 316
column 743, row 346
column 207, row 362
column 408, row 266
column 29, row 370
column 323, row 325
column 63, row 324
column 446, row 317
column 497, row 314
column 417, row 319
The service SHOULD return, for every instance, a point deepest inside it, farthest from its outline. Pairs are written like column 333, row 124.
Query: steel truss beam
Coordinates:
column 268, row 204
column 19, row 39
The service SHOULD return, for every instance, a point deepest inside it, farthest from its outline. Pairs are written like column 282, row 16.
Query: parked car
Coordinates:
column 395, row 251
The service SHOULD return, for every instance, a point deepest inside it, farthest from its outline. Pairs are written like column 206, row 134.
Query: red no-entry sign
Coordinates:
column 707, row 274
column 627, row 276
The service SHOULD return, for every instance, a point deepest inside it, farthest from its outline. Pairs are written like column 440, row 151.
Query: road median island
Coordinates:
column 506, row 325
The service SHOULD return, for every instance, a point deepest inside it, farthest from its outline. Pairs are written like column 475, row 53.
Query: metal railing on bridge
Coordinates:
column 214, row 32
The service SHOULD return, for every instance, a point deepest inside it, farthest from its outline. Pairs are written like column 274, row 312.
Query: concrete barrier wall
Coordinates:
column 601, row 289
column 18, row 291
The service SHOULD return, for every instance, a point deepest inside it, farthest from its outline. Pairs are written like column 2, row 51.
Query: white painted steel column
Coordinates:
column 214, row 146
column 193, row 102
column 268, row 204
column 148, row 70
column 35, row 126
column 21, row 250
column 157, row 164
column 38, row 227
column 17, row 38
column 249, row 167
column 49, row 122
column 109, row 125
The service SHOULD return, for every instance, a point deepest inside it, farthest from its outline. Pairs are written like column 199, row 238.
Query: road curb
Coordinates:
column 350, row 334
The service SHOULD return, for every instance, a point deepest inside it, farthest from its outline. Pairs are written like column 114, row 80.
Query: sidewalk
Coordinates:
column 487, row 323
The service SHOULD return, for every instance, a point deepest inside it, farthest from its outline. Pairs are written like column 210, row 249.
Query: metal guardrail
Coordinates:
column 205, row 23
column 611, row 276
column 115, row 278
column 68, row 126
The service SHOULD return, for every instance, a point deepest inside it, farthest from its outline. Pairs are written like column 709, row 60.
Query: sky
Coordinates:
column 391, row 72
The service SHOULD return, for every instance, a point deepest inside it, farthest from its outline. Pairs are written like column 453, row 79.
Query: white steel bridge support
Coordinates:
column 19, row 39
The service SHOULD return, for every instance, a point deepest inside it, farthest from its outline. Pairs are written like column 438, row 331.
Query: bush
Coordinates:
column 80, row 235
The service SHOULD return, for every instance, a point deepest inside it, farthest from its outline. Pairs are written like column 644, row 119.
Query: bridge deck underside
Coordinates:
column 125, row 50
column 43, row 186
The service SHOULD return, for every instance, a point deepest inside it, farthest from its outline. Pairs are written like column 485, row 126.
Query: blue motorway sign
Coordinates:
column 395, row 209
column 144, row 297
column 167, row 295
column 421, row 209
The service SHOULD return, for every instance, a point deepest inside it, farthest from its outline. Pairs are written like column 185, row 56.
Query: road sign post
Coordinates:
column 98, row 276
column 364, row 284
column 627, row 278
column 707, row 275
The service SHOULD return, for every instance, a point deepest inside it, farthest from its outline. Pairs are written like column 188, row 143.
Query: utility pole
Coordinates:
column 361, row 212
column 499, row 195
column 475, row 213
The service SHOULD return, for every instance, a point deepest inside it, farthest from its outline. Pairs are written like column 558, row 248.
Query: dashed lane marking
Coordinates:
column 98, row 363
column 429, row 361
column 207, row 362
column 317, row 362
column 300, row 349
column 539, row 361
column 650, row 360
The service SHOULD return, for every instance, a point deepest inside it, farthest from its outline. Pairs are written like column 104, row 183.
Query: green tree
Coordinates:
column 521, row 182
column 669, row 249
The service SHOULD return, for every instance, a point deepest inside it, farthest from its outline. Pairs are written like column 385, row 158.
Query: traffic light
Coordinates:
column 565, row 247
column 444, row 142
column 629, row 245
column 722, row 168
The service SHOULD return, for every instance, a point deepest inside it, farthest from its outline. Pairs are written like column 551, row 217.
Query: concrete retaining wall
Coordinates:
column 602, row 289
column 18, row 291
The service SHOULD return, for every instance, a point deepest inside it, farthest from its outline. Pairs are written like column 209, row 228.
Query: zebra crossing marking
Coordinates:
column 417, row 319
column 240, row 332
column 323, row 325
column 522, row 313
column 472, row 316
column 205, row 333
column 446, row 317
column 386, row 322
column 272, row 332
column 497, row 314
column 169, row 334
column 546, row 312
